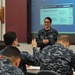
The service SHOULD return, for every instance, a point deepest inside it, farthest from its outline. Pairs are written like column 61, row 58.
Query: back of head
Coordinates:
column 63, row 38
column 13, row 54
column 9, row 37
column 11, row 51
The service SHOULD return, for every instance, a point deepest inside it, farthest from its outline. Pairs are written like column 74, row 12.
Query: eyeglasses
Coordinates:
column 46, row 22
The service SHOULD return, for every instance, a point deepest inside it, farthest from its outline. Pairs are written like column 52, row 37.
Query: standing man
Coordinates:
column 10, row 61
column 47, row 35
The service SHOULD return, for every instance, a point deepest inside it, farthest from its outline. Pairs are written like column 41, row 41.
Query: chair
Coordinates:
column 47, row 72
column 2, row 47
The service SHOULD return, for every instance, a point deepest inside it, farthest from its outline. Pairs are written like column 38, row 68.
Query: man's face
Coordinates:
column 17, row 62
column 15, row 42
column 67, row 45
column 47, row 23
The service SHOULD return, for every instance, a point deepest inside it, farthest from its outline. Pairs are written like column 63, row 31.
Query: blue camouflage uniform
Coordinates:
column 6, row 68
column 50, row 34
column 26, row 58
column 56, row 58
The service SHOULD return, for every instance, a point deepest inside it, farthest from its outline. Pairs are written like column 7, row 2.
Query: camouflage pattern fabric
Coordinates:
column 56, row 58
column 51, row 35
column 6, row 68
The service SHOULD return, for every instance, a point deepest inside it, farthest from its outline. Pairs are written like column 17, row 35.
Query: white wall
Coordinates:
column 0, row 21
column 26, row 47
column 72, row 47
column 3, row 25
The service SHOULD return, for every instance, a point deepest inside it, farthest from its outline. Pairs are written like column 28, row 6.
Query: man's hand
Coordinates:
column 34, row 43
column 27, row 66
column 45, row 41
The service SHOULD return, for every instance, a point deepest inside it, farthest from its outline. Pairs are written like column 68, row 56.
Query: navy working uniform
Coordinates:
column 50, row 34
column 6, row 68
column 56, row 58
column 26, row 58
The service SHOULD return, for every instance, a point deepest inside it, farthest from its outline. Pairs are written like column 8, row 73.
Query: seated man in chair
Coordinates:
column 10, row 39
column 57, row 57
column 10, row 61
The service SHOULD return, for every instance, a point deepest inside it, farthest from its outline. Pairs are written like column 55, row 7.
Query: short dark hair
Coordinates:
column 48, row 19
column 11, row 51
column 9, row 37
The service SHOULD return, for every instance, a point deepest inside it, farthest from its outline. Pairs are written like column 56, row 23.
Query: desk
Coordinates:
column 33, row 70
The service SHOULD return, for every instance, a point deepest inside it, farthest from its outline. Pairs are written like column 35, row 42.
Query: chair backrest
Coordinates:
column 47, row 72
column 2, row 47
